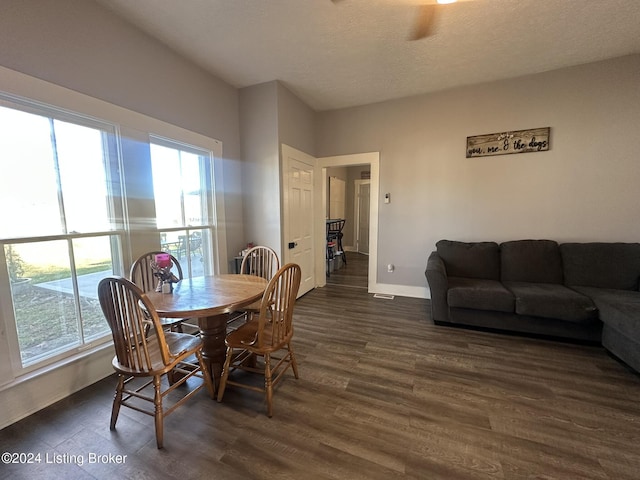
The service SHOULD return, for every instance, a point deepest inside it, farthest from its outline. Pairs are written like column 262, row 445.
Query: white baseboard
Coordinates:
column 400, row 290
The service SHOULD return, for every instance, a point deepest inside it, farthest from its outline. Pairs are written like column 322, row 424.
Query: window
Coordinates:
column 60, row 229
column 77, row 204
column 80, row 195
column 183, row 194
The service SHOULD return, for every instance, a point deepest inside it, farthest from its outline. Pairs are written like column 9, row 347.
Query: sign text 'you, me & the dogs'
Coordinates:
column 519, row 141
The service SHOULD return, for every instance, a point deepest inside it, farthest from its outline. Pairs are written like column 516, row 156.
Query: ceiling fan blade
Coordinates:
column 425, row 24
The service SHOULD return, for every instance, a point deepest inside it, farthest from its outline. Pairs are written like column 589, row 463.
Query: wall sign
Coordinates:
column 519, row 141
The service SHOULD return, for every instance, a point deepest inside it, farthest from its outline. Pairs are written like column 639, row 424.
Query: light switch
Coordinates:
column 387, row 198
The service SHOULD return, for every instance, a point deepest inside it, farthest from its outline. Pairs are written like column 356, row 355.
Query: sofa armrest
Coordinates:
column 436, row 274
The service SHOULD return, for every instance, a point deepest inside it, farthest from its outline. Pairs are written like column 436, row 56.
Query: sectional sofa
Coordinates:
column 580, row 291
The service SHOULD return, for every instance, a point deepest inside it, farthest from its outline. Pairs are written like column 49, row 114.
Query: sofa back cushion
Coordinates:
column 471, row 260
column 535, row 261
column 603, row 265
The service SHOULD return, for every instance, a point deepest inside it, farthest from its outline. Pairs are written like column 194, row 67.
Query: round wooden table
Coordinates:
column 210, row 300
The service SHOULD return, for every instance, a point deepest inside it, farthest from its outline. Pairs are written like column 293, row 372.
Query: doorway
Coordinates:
column 360, row 264
column 349, row 267
column 299, row 225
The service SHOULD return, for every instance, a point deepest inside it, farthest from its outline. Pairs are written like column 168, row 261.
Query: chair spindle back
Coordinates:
column 128, row 313
column 141, row 272
column 261, row 262
column 277, row 305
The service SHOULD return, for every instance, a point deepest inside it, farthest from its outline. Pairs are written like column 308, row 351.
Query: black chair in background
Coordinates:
column 334, row 234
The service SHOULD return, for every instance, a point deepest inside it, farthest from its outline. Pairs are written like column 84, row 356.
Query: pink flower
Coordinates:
column 163, row 260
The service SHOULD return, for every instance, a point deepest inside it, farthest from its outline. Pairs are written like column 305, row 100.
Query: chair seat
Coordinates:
column 181, row 345
column 253, row 308
column 246, row 335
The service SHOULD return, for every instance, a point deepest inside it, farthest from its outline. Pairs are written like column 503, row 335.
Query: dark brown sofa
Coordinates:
column 580, row 291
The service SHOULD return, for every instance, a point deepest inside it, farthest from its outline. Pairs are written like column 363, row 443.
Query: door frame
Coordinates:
column 320, row 201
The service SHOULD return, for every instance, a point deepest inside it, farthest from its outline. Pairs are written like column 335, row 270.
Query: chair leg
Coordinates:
column 268, row 384
column 208, row 381
column 292, row 360
column 225, row 374
column 158, row 414
column 344, row 255
column 117, row 400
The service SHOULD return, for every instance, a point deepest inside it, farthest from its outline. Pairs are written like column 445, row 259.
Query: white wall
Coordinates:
column 584, row 189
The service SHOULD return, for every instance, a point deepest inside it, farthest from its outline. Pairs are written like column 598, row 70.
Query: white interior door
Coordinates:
column 337, row 189
column 298, row 214
column 362, row 203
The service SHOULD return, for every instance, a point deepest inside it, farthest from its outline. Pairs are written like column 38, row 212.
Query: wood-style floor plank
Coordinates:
column 383, row 394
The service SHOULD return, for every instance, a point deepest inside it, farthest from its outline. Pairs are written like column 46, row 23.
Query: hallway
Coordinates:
column 354, row 274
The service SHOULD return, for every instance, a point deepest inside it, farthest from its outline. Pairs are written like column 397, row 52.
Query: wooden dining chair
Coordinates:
column 142, row 275
column 128, row 310
column 261, row 262
column 267, row 333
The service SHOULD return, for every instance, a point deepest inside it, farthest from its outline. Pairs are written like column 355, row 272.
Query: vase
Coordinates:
column 167, row 286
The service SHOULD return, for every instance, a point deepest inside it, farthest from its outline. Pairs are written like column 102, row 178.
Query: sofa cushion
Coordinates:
column 624, row 318
column 619, row 309
column 551, row 300
column 479, row 294
column 604, row 265
column 601, row 296
column 470, row 260
column 535, row 261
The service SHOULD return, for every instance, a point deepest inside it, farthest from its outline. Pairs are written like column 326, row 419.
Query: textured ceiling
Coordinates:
column 354, row 52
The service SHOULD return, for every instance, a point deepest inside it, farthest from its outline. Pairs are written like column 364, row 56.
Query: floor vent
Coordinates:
column 384, row 296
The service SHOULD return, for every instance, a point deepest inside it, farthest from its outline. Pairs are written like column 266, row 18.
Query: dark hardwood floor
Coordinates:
column 353, row 274
column 382, row 394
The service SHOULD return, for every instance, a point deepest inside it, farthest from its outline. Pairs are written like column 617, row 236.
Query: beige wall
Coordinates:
column 261, row 172
column 584, row 189
column 296, row 122
column 270, row 115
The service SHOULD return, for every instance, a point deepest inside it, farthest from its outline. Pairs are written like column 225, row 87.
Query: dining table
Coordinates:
column 209, row 299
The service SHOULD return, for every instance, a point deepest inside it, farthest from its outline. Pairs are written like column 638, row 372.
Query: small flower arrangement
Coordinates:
column 162, row 269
